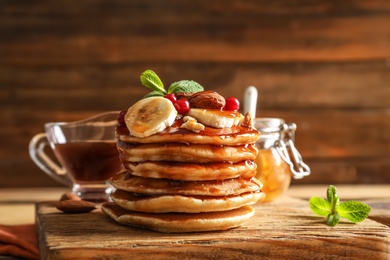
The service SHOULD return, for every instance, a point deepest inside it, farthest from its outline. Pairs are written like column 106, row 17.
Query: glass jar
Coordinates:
column 278, row 160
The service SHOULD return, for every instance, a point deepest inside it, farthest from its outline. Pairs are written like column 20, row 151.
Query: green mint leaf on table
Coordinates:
column 150, row 80
column 185, row 86
column 320, row 206
column 354, row 211
column 332, row 219
column 332, row 197
column 333, row 210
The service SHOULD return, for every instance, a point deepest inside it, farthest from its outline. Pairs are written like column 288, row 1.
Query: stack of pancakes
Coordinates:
column 182, row 181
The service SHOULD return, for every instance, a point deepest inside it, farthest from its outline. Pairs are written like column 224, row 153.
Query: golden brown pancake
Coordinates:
column 236, row 135
column 179, row 180
column 180, row 222
column 193, row 171
column 182, row 203
column 128, row 182
column 195, row 153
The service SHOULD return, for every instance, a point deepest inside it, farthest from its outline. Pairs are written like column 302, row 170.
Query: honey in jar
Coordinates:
column 278, row 160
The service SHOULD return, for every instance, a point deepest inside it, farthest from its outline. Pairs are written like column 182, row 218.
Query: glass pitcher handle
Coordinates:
column 286, row 148
column 40, row 158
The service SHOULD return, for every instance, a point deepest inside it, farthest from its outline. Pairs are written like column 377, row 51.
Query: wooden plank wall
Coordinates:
column 324, row 65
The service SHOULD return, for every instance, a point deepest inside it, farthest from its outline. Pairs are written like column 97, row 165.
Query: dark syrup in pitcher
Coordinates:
column 89, row 161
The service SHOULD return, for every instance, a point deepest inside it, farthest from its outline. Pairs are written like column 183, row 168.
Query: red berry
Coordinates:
column 182, row 105
column 232, row 104
column 171, row 97
column 121, row 118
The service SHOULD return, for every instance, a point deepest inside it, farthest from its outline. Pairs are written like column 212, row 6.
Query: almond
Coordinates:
column 207, row 99
column 186, row 95
column 69, row 196
column 75, row 206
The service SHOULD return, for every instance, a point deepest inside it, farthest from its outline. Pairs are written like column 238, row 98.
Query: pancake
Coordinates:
column 128, row 182
column 183, row 204
column 180, row 222
column 179, row 152
column 185, row 171
column 193, row 171
column 233, row 136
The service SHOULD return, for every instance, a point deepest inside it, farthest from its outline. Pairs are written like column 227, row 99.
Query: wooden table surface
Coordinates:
column 17, row 205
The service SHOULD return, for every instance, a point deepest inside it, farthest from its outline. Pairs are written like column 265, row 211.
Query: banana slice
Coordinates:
column 215, row 117
column 150, row 116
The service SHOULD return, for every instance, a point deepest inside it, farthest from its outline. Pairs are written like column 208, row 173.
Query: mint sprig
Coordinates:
column 185, row 86
column 154, row 94
column 333, row 209
column 150, row 80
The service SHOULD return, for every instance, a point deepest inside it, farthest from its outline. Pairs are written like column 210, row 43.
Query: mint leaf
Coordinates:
column 354, row 211
column 333, row 210
column 330, row 193
column 185, row 86
column 333, row 198
column 333, row 219
column 150, row 80
column 154, row 94
column 320, row 206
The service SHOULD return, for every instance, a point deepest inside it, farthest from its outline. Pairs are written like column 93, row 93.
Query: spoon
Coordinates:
column 250, row 100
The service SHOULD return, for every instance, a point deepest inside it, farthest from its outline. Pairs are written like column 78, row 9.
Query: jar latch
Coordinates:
column 286, row 149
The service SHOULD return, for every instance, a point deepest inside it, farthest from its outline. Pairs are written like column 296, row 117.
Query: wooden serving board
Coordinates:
column 282, row 229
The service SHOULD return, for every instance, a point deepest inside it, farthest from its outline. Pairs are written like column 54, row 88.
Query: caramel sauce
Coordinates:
column 200, row 153
column 210, row 171
column 209, row 131
column 186, row 153
column 89, row 161
column 131, row 196
column 198, row 166
column 116, row 211
column 148, row 186
column 247, row 148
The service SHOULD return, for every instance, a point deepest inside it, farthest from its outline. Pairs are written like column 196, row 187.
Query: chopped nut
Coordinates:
column 192, row 124
column 247, row 120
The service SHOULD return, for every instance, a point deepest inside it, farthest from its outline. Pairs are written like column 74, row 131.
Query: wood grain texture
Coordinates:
column 283, row 229
column 114, row 32
column 282, row 85
column 321, row 64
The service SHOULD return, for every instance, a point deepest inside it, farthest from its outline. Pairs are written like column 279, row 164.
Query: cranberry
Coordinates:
column 182, row 105
column 121, row 118
column 171, row 97
column 232, row 104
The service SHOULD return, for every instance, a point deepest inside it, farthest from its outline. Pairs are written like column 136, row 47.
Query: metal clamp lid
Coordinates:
column 288, row 152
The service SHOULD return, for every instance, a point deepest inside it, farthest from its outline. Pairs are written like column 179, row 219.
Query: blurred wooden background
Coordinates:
column 324, row 65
